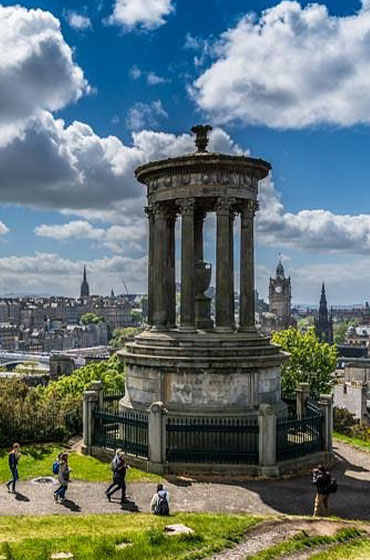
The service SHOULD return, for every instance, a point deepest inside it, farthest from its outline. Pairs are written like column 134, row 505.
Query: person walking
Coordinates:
column 13, row 460
column 63, row 477
column 159, row 504
column 119, row 478
column 325, row 485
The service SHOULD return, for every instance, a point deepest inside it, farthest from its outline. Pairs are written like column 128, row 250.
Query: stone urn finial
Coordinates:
column 201, row 140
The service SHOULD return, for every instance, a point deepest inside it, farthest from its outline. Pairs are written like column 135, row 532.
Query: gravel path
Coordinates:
column 287, row 496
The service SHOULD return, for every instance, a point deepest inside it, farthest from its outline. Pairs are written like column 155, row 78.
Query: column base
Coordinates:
column 187, row 328
column 224, row 329
column 160, row 328
column 247, row 329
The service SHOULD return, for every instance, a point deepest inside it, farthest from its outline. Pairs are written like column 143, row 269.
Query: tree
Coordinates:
column 121, row 336
column 340, row 331
column 89, row 318
column 310, row 361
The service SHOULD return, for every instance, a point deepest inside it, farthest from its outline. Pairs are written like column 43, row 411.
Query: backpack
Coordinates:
column 162, row 507
column 56, row 467
column 332, row 487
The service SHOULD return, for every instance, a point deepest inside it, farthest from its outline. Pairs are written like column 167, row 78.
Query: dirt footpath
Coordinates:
column 288, row 496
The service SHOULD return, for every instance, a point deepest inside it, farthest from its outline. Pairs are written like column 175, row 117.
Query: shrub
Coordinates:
column 344, row 420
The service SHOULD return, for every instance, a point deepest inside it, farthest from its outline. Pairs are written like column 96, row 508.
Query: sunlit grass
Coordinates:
column 94, row 537
column 38, row 461
column 355, row 442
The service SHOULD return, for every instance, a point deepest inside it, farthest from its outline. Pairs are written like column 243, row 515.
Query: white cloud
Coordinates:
column 37, row 71
column 291, row 68
column 135, row 73
column 143, row 115
column 140, row 14
column 126, row 238
column 153, row 79
column 78, row 21
column 37, row 273
column 313, row 230
column 3, row 228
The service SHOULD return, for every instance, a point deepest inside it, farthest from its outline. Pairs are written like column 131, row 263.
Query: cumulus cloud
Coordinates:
column 313, row 230
column 145, row 15
column 145, row 115
column 119, row 239
column 3, row 228
column 135, row 72
column 293, row 67
column 37, row 70
column 78, row 21
column 37, row 273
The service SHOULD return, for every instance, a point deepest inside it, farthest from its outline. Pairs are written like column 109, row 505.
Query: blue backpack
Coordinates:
column 56, row 467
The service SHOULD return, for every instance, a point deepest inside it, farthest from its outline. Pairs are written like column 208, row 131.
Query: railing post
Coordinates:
column 267, row 439
column 326, row 404
column 157, row 433
column 90, row 402
column 302, row 394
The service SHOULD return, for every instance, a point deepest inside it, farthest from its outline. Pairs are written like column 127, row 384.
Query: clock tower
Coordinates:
column 280, row 298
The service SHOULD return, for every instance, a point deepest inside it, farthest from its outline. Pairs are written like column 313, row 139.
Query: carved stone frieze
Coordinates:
column 194, row 179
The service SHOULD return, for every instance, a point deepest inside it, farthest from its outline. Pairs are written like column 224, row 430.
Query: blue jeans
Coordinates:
column 61, row 491
column 14, row 478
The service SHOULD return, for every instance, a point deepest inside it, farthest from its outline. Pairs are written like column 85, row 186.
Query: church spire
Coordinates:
column 85, row 290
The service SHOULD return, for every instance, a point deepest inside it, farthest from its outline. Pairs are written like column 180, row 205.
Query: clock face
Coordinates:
column 278, row 289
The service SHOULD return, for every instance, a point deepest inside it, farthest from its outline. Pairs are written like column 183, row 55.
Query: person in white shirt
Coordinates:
column 159, row 504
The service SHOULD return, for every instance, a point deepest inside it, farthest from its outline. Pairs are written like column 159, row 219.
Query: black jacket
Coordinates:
column 13, row 461
column 321, row 479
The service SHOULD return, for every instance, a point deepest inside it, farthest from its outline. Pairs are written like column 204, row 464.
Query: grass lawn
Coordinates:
column 356, row 442
column 38, row 461
column 359, row 550
column 302, row 542
column 94, row 537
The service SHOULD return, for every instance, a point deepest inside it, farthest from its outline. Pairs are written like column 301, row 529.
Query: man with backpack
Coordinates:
column 325, row 485
column 160, row 501
column 119, row 468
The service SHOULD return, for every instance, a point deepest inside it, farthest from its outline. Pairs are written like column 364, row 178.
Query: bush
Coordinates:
column 344, row 420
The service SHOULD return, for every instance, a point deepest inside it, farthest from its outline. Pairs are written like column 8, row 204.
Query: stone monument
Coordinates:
column 195, row 365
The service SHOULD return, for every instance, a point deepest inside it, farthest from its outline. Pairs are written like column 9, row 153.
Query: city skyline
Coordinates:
column 94, row 91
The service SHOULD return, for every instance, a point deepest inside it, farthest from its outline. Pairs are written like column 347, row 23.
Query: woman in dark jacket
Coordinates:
column 13, row 459
column 119, row 476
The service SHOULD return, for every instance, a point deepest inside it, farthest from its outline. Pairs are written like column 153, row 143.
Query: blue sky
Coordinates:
column 291, row 84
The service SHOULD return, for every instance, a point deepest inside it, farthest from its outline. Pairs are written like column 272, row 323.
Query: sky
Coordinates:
column 90, row 90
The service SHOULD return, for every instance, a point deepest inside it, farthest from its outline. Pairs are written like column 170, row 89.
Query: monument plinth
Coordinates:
column 200, row 366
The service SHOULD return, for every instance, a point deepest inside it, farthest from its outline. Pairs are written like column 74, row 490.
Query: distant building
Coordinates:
column 85, row 290
column 324, row 321
column 280, row 297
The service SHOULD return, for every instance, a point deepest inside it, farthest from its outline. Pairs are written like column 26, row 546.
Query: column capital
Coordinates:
column 225, row 205
column 186, row 205
column 150, row 212
column 250, row 207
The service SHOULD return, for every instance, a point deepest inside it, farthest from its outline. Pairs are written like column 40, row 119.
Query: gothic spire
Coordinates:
column 280, row 270
column 85, row 290
column 323, row 310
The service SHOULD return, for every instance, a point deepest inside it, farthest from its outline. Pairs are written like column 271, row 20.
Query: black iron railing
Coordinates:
column 111, row 403
column 299, row 436
column 207, row 440
column 126, row 430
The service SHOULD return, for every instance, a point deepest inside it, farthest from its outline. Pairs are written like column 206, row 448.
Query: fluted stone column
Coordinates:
column 171, row 274
column 160, row 299
column 187, row 320
column 198, row 232
column 247, row 305
column 151, row 219
column 224, row 266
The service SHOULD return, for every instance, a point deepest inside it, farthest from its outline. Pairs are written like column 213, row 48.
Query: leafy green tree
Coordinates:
column 310, row 361
column 88, row 318
column 340, row 330
column 121, row 336
column 136, row 316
